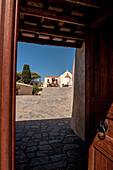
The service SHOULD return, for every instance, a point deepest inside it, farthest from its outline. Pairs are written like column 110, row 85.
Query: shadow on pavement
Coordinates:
column 48, row 144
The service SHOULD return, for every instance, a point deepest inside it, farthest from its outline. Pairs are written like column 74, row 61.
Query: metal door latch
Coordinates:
column 103, row 127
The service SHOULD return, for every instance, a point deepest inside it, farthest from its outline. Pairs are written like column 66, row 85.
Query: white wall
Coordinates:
column 62, row 80
column 50, row 79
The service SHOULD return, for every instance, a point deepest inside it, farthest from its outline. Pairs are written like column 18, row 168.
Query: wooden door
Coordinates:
column 99, row 95
column 8, row 46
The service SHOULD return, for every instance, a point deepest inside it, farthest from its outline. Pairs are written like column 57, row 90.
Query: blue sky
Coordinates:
column 45, row 60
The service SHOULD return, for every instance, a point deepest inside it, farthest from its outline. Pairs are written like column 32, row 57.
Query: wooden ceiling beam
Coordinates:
column 90, row 3
column 35, row 3
column 51, row 15
column 103, row 17
column 49, row 42
column 65, row 3
column 52, row 32
column 55, row 5
column 60, row 24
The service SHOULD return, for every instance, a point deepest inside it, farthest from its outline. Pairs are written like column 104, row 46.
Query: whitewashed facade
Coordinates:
column 65, row 79
column 51, row 80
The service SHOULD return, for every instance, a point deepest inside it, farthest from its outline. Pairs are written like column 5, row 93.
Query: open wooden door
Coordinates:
column 8, row 47
column 99, row 95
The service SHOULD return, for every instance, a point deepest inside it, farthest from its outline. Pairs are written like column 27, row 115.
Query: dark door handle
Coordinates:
column 103, row 127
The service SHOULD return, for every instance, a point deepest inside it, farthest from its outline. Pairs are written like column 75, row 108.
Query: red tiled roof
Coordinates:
column 67, row 76
column 52, row 76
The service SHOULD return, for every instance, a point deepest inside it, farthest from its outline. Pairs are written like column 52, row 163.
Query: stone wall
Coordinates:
column 25, row 89
column 78, row 109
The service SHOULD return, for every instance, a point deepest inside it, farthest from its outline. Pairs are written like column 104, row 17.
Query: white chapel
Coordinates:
column 65, row 79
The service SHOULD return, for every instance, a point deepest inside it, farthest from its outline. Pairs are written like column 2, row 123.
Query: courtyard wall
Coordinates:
column 24, row 89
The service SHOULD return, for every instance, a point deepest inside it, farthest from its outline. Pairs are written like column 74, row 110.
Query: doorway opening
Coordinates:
column 44, row 139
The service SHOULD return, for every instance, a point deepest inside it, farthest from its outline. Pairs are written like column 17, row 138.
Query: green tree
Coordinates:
column 26, row 74
column 33, row 76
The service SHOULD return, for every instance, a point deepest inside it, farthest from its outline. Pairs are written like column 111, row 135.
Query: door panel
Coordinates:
column 8, row 46
column 97, row 157
column 101, row 162
column 100, row 91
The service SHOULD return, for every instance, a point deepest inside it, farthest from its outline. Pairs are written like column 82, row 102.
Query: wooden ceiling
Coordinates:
column 57, row 22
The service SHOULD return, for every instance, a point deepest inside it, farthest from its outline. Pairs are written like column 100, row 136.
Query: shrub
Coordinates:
column 36, row 89
column 17, row 87
column 20, row 81
column 18, row 76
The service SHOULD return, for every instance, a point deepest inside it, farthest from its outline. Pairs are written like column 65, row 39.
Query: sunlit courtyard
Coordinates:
column 54, row 102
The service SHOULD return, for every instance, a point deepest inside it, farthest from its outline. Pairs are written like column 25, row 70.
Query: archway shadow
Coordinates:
column 48, row 144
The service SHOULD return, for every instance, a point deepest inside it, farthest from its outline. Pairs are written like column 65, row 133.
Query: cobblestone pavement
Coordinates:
column 47, row 143
column 53, row 103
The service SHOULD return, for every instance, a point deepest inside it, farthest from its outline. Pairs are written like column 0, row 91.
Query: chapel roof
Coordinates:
column 67, row 76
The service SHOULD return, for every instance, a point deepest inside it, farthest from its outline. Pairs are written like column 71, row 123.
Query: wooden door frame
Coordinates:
column 8, row 52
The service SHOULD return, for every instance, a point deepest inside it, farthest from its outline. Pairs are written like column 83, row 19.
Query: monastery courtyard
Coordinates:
column 44, row 140
column 55, row 102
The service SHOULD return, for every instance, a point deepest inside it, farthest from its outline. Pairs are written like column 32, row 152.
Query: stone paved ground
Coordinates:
column 47, row 144
column 53, row 103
